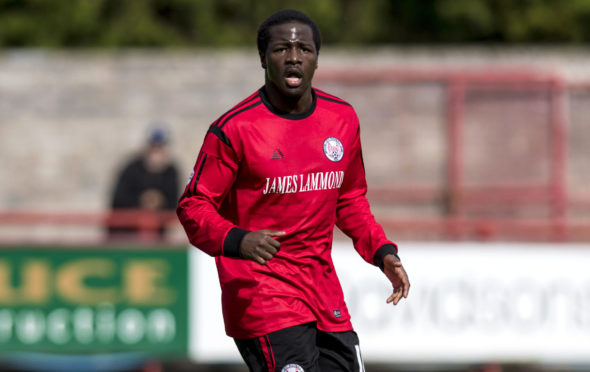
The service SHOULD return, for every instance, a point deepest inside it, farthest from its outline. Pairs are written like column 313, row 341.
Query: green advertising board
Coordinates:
column 91, row 300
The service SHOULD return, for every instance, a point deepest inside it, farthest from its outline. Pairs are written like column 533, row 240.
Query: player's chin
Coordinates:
column 297, row 91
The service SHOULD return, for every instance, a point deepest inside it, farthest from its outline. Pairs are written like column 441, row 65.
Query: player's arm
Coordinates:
column 354, row 218
column 214, row 174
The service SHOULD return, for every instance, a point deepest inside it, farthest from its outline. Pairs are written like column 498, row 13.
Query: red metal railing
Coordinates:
column 460, row 200
column 465, row 211
column 121, row 226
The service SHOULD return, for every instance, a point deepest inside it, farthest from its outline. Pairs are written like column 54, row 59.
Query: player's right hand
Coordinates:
column 260, row 246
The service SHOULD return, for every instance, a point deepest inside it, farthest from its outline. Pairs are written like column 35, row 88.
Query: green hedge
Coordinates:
column 188, row 23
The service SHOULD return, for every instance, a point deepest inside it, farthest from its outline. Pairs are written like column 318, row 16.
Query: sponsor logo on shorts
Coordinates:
column 292, row 368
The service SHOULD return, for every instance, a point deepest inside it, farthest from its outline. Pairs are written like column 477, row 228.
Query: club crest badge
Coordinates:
column 333, row 149
column 292, row 368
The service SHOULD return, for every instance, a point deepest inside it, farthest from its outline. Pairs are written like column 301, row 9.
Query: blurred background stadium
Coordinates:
column 475, row 135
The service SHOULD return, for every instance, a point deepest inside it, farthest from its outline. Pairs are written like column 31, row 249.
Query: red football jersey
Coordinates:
column 299, row 173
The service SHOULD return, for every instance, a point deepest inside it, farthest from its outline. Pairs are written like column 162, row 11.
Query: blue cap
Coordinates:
column 158, row 135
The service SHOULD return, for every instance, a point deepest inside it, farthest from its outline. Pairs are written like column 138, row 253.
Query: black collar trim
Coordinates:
column 287, row 115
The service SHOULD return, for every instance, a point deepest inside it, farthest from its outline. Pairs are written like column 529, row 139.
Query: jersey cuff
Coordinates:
column 383, row 251
column 231, row 245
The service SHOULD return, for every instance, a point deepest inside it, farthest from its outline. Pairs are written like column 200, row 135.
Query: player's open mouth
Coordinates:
column 293, row 78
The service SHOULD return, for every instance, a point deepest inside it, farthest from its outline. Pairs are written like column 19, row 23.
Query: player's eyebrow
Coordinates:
column 290, row 42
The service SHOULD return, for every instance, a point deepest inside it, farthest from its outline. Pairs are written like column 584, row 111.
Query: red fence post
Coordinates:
column 559, row 154
column 455, row 102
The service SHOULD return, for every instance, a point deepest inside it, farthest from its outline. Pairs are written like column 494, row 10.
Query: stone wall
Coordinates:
column 68, row 121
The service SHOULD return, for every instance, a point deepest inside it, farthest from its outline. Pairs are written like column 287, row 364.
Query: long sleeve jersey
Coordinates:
column 259, row 168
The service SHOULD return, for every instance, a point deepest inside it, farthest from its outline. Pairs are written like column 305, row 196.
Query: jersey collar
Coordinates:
column 286, row 115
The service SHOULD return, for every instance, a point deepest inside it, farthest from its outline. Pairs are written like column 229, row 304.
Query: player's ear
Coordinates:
column 263, row 60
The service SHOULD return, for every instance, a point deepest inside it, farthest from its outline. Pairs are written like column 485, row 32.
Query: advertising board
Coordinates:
column 69, row 300
column 468, row 303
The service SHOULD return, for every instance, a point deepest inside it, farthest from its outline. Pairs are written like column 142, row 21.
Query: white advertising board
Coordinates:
column 469, row 302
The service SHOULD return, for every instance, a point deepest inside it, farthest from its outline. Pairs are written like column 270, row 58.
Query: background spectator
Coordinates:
column 148, row 182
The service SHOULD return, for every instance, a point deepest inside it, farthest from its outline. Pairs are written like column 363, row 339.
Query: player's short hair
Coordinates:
column 285, row 16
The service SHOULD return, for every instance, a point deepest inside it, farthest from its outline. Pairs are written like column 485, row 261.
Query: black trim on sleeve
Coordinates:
column 226, row 119
column 334, row 100
column 193, row 188
column 383, row 251
column 238, row 106
column 231, row 245
column 217, row 127
column 330, row 97
column 219, row 134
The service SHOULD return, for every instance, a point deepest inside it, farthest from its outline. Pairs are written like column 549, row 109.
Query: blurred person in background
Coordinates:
column 147, row 183
column 273, row 177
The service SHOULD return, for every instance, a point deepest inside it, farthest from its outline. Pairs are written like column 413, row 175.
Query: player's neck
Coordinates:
column 288, row 104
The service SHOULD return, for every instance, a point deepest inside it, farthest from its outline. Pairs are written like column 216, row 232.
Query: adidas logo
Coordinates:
column 277, row 154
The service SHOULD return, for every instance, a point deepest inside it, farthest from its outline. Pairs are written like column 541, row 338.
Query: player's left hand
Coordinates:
column 395, row 272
